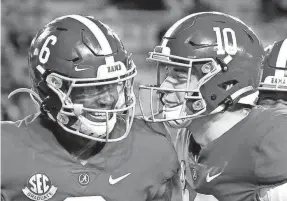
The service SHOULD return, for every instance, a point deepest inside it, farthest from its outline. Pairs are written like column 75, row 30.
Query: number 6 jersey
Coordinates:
column 36, row 167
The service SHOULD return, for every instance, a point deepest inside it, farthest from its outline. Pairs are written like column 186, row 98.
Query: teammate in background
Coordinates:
column 85, row 143
column 209, row 68
column 273, row 85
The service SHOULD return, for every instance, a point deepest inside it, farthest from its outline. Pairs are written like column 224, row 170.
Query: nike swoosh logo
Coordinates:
column 80, row 69
column 210, row 178
column 114, row 181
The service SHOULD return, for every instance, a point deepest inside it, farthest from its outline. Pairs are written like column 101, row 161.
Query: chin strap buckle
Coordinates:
column 78, row 109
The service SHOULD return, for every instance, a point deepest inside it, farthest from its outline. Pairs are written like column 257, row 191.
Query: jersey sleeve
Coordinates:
column 271, row 157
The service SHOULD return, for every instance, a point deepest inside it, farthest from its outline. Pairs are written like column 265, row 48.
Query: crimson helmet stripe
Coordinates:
column 174, row 27
column 179, row 22
column 97, row 32
column 281, row 60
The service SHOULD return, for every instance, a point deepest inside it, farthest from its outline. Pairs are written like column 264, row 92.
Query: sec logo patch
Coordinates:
column 39, row 187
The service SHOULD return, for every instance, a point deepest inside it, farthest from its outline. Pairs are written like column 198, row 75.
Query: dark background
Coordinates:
column 139, row 23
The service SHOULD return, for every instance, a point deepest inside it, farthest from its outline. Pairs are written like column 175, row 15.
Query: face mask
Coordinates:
column 175, row 112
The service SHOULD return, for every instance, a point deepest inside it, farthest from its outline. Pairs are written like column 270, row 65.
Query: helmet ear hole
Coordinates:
column 228, row 84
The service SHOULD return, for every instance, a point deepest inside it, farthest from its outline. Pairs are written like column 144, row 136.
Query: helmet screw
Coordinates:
column 213, row 97
column 198, row 105
column 54, row 81
column 206, row 68
column 62, row 118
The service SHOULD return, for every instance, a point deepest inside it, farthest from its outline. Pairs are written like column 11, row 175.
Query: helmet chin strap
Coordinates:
column 249, row 99
column 30, row 91
column 33, row 95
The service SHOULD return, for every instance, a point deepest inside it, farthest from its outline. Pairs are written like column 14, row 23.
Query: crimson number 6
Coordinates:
column 229, row 46
column 45, row 51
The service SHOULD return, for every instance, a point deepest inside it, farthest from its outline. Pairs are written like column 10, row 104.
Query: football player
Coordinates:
column 84, row 144
column 273, row 85
column 208, row 71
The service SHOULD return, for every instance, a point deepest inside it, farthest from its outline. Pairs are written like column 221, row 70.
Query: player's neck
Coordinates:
column 79, row 147
column 215, row 126
column 270, row 103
